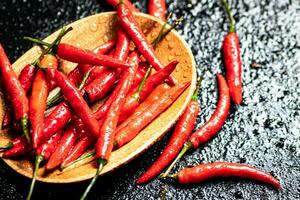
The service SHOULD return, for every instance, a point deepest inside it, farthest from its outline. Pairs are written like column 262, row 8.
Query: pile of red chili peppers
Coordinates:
column 133, row 98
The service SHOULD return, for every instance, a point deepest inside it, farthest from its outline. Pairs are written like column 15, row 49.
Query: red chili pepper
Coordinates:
column 15, row 91
column 102, row 85
column 212, row 126
column 99, row 87
column 115, row 3
column 66, row 143
column 79, row 55
column 232, row 59
column 104, row 145
column 205, row 172
column 135, row 32
column 19, row 147
column 157, row 8
column 43, row 152
column 78, row 149
column 140, row 73
column 126, row 134
column 26, row 77
column 37, row 105
column 153, row 97
column 75, row 100
column 55, row 121
column 182, row 131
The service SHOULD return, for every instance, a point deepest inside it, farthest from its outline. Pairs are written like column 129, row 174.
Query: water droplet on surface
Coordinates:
column 170, row 58
column 171, row 45
column 94, row 27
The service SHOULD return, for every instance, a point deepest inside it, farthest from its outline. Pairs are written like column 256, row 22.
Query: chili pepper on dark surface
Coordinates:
column 102, row 85
column 18, row 147
column 126, row 134
column 183, row 129
column 115, row 3
column 104, row 145
column 75, row 100
column 67, row 141
column 212, row 126
column 79, row 55
column 232, row 59
column 209, row 171
column 43, row 152
column 134, row 31
column 37, row 106
column 157, row 8
column 16, row 92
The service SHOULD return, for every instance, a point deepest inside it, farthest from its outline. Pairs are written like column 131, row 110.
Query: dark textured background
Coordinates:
column 263, row 131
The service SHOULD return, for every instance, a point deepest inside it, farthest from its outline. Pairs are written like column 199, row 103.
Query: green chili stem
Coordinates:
column 38, row 160
column 228, row 11
column 187, row 146
column 137, row 94
column 101, row 163
column 197, row 90
column 37, row 41
column 24, row 125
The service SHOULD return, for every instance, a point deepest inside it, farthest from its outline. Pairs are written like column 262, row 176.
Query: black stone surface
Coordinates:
column 262, row 132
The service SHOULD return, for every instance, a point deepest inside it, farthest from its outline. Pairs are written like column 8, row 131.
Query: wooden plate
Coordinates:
column 89, row 33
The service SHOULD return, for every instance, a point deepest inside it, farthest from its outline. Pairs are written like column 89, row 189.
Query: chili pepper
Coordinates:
column 37, row 105
column 126, row 134
column 134, row 31
column 104, row 143
column 114, row 3
column 212, row 126
column 203, row 172
column 102, row 85
column 67, row 140
column 157, row 8
column 79, row 55
column 182, row 131
column 55, row 121
column 153, row 97
column 140, row 73
column 232, row 59
column 26, row 77
column 7, row 118
column 17, row 147
column 78, row 149
column 43, row 152
column 75, row 100
column 15, row 91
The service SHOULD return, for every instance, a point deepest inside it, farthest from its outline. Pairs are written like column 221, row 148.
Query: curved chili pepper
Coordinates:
column 15, row 91
column 157, row 8
column 182, row 131
column 205, row 172
column 75, row 100
column 104, row 145
column 19, row 147
column 67, row 140
column 232, row 59
column 126, row 134
column 114, row 3
column 140, row 73
column 135, row 32
column 43, row 152
column 79, row 55
column 26, row 77
column 37, row 106
column 102, row 85
column 212, row 126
